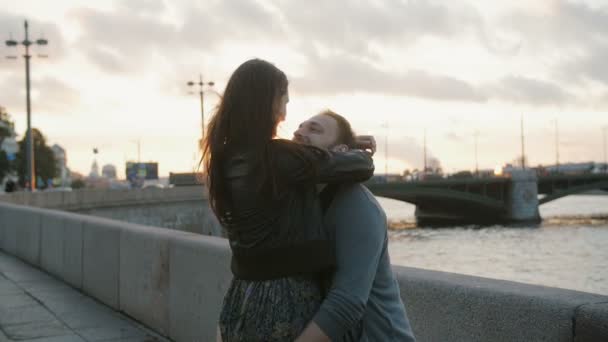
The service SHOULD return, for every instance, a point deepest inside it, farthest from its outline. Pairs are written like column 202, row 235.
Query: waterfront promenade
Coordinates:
column 173, row 282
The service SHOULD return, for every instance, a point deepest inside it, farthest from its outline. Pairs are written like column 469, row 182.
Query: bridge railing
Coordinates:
column 174, row 283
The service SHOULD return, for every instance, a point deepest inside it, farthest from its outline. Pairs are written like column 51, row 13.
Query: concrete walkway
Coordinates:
column 34, row 306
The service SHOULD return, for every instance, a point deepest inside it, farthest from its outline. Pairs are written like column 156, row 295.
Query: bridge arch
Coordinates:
column 428, row 196
column 603, row 185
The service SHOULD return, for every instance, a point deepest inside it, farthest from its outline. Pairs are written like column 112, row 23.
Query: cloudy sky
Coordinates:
column 117, row 73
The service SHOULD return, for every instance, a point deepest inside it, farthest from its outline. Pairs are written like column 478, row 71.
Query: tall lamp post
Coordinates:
column 30, row 178
column 138, row 143
column 523, row 149
column 385, row 126
column 476, row 136
column 556, row 146
column 424, row 154
column 604, row 130
column 201, row 88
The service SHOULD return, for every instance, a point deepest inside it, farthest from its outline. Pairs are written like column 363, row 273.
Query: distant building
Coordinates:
column 108, row 171
column 9, row 144
column 60, row 155
column 186, row 179
column 61, row 163
column 382, row 178
column 138, row 173
column 562, row 169
column 94, row 170
column 574, row 168
column 485, row 173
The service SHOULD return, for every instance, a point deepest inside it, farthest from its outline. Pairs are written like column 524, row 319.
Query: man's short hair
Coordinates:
column 346, row 135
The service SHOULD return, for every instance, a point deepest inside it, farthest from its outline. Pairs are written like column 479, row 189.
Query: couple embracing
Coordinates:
column 309, row 243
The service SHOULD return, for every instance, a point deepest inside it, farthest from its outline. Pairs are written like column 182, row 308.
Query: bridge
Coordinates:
column 487, row 200
column 510, row 199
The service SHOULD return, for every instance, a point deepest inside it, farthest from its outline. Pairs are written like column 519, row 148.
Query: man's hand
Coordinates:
column 366, row 142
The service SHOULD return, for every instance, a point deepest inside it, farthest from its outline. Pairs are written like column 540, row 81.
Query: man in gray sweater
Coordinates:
column 363, row 303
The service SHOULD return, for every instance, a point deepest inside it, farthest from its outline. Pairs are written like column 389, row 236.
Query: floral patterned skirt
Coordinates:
column 271, row 310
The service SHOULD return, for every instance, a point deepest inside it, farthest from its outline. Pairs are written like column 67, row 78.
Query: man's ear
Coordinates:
column 340, row 148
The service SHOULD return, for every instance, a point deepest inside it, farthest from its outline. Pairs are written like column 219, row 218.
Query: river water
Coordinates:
column 569, row 249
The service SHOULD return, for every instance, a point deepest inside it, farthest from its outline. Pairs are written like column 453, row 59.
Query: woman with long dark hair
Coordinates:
column 263, row 190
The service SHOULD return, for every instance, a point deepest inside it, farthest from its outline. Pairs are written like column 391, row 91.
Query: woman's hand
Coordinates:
column 366, row 142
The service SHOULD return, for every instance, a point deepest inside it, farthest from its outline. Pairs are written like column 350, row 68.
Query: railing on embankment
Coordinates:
column 174, row 282
column 179, row 208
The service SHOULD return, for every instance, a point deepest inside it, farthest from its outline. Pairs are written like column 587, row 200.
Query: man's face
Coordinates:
column 320, row 131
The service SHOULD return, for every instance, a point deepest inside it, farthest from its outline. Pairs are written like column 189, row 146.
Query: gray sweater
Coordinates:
column 364, row 286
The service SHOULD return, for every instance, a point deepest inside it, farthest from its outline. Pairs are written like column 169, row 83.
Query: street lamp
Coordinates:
column 556, row 146
column 604, row 130
column 30, row 177
column 424, row 154
column 385, row 126
column 138, row 143
column 476, row 135
column 201, row 88
column 523, row 149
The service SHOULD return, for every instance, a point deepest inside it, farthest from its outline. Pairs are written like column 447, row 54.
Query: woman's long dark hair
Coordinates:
column 245, row 119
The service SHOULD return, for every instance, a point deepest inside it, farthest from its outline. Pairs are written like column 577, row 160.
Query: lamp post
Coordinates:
column 201, row 85
column 476, row 135
column 385, row 126
column 138, row 143
column 604, row 130
column 556, row 146
column 523, row 150
column 424, row 154
column 30, row 177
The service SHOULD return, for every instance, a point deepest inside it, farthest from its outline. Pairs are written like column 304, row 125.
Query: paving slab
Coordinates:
column 35, row 330
column 8, row 287
column 16, row 300
column 111, row 333
column 36, row 307
column 61, row 338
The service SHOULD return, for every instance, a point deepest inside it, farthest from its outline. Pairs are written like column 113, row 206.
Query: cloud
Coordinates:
column 601, row 102
column 351, row 26
column 340, row 43
column 145, row 7
column 335, row 40
column 571, row 37
column 411, row 152
column 55, row 96
column 120, row 42
column 48, row 94
column 125, row 39
column 345, row 74
column 524, row 90
column 591, row 66
column 561, row 24
column 451, row 136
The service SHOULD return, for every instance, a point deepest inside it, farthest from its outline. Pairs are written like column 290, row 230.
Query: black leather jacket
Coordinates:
column 283, row 235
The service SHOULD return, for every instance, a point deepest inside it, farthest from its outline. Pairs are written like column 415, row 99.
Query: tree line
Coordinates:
column 44, row 157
